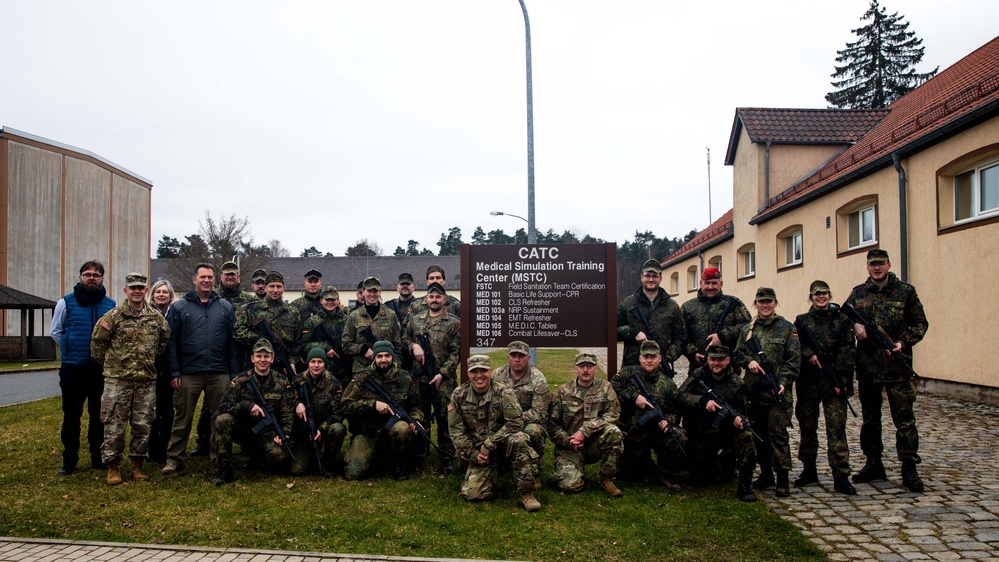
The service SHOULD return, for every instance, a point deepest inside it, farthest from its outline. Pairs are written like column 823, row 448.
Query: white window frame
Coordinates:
column 793, row 249
column 862, row 238
column 749, row 262
column 976, row 187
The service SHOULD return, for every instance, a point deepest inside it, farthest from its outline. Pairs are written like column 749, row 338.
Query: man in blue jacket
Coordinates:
column 81, row 378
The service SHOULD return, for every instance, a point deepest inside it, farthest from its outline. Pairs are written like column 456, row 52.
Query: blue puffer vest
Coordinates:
column 74, row 345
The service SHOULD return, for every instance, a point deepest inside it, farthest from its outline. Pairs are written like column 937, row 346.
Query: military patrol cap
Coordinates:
column 479, row 363
column 710, row 273
column 718, row 352
column 766, row 294
column 313, row 273
column 230, row 267
column 404, row 278
column 438, row 269
column 316, row 353
column 877, row 255
column 263, row 345
column 274, row 277
column 135, row 280
column 649, row 347
column 329, row 292
column 260, row 275
column 360, row 285
column 585, row 357
column 436, row 287
column 652, row 265
column 371, row 283
column 383, row 346
column 518, row 347
column 818, row 286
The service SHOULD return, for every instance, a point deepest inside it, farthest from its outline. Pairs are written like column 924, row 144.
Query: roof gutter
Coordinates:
column 903, row 265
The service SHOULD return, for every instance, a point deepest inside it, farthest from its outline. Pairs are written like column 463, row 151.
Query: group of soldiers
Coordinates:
column 297, row 376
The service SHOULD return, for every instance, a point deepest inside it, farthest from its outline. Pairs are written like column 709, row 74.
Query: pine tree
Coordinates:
column 880, row 65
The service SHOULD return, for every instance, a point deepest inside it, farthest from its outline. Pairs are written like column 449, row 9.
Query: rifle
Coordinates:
column 398, row 412
column 768, row 378
column 270, row 419
column 664, row 364
column 323, row 331
column 825, row 361
column 729, row 305
column 879, row 336
column 655, row 413
column 280, row 351
column 726, row 409
column 310, row 422
column 429, row 367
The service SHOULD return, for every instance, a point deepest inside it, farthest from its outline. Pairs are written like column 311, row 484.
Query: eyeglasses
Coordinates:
column 92, row 275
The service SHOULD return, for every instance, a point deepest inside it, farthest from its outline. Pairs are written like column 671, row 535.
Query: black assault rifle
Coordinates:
column 664, row 365
column 310, row 422
column 877, row 334
column 398, row 412
column 280, row 350
column 655, row 413
column 429, row 367
column 726, row 410
column 768, row 377
column 729, row 305
column 825, row 363
column 270, row 419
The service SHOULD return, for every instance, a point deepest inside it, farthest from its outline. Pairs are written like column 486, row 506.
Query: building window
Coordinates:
column 789, row 247
column 976, row 192
column 861, row 228
column 674, row 283
column 692, row 282
column 716, row 262
column 747, row 261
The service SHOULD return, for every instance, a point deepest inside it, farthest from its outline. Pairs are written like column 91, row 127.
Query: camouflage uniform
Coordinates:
column 779, row 342
column 831, row 331
column 235, row 424
column 451, row 304
column 494, row 420
column 534, row 396
column 638, row 439
column 330, row 336
column 307, row 306
column 367, row 426
column 594, row 410
column 896, row 309
column 237, row 298
column 325, row 394
column 384, row 326
column 444, row 335
column 127, row 344
column 665, row 319
column 400, row 308
column 700, row 316
column 283, row 321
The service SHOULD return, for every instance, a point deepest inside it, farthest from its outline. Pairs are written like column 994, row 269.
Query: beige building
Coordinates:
column 815, row 190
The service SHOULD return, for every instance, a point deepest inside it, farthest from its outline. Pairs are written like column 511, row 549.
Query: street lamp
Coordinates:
column 532, row 231
column 501, row 213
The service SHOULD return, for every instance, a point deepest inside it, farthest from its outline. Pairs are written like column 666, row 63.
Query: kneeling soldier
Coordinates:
column 324, row 393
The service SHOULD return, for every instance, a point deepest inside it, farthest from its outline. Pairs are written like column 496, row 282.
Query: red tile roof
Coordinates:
column 957, row 98
column 716, row 233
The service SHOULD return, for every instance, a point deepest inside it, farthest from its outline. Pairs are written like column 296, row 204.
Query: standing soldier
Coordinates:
column 781, row 360
column 485, row 420
column 650, row 314
column 701, row 317
column 272, row 318
column 400, row 304
column 713, row 428
column 581, row 423
column 325, row 394
column 533, row 393
column 831, row 331
column 435, row 368
column 369, row 323
column 229, row 286
column 241, row 411
column 367, row 415
column 260, row 284
column 894, row 307
column 126, row 342
column 324, row 331
column 309, row 304
column 435, row 274
column 643, row 429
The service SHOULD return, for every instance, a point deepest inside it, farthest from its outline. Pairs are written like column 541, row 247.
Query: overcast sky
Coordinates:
column 325, row 122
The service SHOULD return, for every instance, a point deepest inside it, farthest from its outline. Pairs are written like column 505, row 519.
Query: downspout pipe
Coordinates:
column 766, row 178
column 903, row 262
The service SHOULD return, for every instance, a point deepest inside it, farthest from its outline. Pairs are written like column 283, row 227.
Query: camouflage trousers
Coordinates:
column 238, row 428
column 901, row 397
column 537, row 435
column 330, row 447
column 434, row 406
column 364, row 447
column 704, row 443
column 605, row 447
column 127, row 403
column 639, row 441
column 771, row 421
column 806, row 410
column 480, row 481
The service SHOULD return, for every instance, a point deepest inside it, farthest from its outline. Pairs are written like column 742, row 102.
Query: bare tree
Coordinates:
column 364, row 247
column 219, row 239
column 277, row 250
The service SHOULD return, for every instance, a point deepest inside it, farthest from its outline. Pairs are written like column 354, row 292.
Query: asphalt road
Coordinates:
column 25, row 387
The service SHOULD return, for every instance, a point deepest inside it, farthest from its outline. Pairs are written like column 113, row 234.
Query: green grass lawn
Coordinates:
column 423, row 516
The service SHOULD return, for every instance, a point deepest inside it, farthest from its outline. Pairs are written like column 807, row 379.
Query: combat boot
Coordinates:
column 910, row 478
column 808, row 476
column 745, row 491
column 610, row 489
column 399, row 471
column 783, row 490
column 114, row 472
column 529, row 502
column 137, row 473
column 842, row 485
column 223, row 472
column 668, row 484
column 872, row 470
column 766, row 478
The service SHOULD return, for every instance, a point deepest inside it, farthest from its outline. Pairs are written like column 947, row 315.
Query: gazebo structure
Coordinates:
column 26, row 345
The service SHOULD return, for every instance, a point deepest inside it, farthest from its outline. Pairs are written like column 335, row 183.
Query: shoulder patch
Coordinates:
column 106, row 325
column 450, row 407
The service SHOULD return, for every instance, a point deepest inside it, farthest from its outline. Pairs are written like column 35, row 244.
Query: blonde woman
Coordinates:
column 160, row 297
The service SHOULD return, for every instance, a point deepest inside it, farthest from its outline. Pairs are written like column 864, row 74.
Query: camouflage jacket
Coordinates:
column 384, row 326
column 283, row 321
column 532, row 392
column 236, row 298
column 324, row 331
column 451, row 304
column 832, row 332
column 700, row 316
column 488, row 419
column 896, row 309
column 779, row 341
column 127, row 344
column 307, row 306
column 729, row 388
column 665, row 320
column 238, row 400
column 578, row 408
column 400, row 308
column 325, row 394
column 358, row 403
column 662, row 388
column 444, row 334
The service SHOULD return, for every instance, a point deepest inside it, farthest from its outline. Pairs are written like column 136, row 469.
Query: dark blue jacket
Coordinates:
column 79, row 322
column 201, row 336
